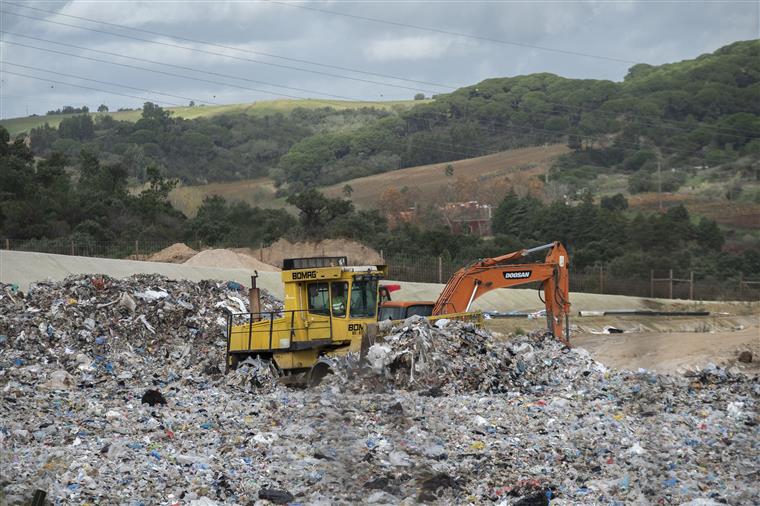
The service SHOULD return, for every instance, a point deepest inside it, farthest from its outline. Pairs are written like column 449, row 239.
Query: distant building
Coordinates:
column 468, row 217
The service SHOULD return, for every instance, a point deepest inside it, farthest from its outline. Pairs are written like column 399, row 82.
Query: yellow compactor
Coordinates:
column 327, row 307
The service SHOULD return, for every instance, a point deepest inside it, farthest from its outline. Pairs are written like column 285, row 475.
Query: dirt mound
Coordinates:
column 177, row 253
column 357, row 253
column 229, row 259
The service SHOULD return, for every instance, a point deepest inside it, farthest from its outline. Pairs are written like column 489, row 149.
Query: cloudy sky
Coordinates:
column 372, row 50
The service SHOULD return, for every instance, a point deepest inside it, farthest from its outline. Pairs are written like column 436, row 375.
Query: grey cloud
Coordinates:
column 637, row 31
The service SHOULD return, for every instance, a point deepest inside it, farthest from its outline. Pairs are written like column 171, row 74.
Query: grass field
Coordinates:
column 428, row 179
column 257, row 192
column 261, row 108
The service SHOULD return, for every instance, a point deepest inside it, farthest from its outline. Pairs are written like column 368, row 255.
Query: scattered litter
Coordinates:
column 745, row 357
column 152, row 398
column 443, row 413
column 608, row 329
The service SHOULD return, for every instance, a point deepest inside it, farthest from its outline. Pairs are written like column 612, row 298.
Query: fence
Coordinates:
column 135, row 250
column 660, row 283
column 432, row 269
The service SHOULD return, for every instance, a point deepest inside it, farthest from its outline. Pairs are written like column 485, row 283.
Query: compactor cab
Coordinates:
column 327, row 306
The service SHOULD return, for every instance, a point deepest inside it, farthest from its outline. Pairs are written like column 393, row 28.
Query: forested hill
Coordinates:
column 696, row 113
column 706, row 111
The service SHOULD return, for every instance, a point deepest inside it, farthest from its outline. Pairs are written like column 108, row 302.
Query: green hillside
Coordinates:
column 17, row 126
column 696, row 113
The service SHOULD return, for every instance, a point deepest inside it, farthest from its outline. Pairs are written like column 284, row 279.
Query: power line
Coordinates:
column 222, row 46
column 407, row 115
column 153, row 70
column 155, row 62
column 107, row 83
column 423, row 141
column 89, row 88
column 197, row 50
column 659, row 121
column 457, row 34
column 477, row 151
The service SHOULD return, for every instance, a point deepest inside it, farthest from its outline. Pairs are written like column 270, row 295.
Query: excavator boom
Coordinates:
column 480, row 277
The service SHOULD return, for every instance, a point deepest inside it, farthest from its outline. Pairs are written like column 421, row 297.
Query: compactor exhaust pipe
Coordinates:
column 254, row 298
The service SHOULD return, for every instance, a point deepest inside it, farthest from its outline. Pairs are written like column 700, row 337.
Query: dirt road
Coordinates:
column 660, row 344
column 673, row 351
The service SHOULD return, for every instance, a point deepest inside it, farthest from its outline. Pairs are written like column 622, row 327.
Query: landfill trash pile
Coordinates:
column 452, row 357
column 98, row 326
column 163, row 425
column 530, row 411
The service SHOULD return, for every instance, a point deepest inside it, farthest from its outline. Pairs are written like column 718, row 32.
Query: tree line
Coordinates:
column 42, row 199
column 219, row 148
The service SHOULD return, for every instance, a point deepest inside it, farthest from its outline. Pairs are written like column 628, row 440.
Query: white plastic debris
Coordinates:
column 151, row 295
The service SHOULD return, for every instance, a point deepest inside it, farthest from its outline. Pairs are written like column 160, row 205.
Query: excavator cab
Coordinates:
column 327, row 306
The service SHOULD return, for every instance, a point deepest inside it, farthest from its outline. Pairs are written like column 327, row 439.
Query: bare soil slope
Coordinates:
column 430, row 179
column 427, row 179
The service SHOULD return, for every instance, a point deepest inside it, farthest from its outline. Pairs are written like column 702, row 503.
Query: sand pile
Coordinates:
column 357, row 253
column 177, row 253
column 229, row 260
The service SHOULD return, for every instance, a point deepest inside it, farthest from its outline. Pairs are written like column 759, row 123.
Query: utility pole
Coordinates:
column 659, row 182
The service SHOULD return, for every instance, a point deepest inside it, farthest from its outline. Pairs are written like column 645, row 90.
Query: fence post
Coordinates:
column 601, row 278
column 670, row 280
column 440, row 270
column 137, row 249
column 651, row 283
column 71, row 243
column 691, row 285
column 741, row 285
column 7, row 244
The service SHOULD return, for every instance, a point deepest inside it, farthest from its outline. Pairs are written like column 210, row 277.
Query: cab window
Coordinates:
column 419, row 310
column 391, row 313
column 319, row 298
column 339, row 298
column 363, row 298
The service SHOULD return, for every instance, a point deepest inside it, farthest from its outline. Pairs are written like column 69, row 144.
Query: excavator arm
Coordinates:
column 471, row 282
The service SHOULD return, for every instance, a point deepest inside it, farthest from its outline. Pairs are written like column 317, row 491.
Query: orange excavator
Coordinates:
column 482, row 276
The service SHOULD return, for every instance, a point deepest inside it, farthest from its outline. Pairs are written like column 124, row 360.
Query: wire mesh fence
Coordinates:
column 134, row 249
column 660, row 283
